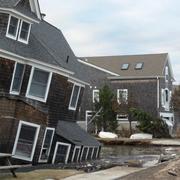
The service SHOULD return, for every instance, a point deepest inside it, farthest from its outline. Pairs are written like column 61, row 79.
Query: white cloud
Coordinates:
column 105, row 27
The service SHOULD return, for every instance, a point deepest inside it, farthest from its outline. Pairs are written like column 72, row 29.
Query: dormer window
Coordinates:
column 139, row 66
column 125, row 66
column 12, row 29
column 24, row 32
column 18, row 29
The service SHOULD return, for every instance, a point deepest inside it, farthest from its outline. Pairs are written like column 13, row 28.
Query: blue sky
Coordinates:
column 118, row 27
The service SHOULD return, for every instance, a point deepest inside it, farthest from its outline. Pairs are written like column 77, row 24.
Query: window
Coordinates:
column 95, row 95
column 39, row 84
column 166, row 73
column 76, row 154
column 139, row 66
column 24, row 32
column 74, row 97
column 12, row 29
column 165, row 98
column 122, row 117
column 46, row 146
column 124, row 66
column 26, row 140
column 84, row 153
column 17, row 79
column 122, row 96
column 61, row 153
column 18, row 29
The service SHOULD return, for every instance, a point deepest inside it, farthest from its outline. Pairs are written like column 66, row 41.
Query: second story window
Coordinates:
column 24, row 32
column 74, row 97
column 39, row 84
column 122, row 96
column 17, row 78
column 95, row 95
column 18, row 29
column 12, row 29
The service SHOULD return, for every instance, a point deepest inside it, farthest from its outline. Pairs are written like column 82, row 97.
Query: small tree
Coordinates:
column 106, row 119
column 148, row 124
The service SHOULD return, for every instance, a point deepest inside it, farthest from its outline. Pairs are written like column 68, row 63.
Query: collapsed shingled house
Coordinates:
column 41, row 88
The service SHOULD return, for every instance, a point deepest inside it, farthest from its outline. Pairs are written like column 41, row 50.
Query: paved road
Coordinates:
column 108, row 174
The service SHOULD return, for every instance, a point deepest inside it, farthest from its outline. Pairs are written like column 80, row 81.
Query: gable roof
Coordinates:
column 17, row 5
column 153, row 64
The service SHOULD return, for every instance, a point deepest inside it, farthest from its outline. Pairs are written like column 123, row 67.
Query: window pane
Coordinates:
column 18, row 76
column 75, row 96
column 26, row 141
column 46, row 145
column 24, row 30
column 125, row 66
column 39, row 83
column 61, row 154
column 123, row 96
column 13, row 26
column 84, row 154
column 139, row 66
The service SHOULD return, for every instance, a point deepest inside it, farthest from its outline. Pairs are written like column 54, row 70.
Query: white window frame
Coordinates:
column 56, row 148
column 120, row 90
column 12, row 81
column 9, row 35
column 83, row 152
column 76, row 147
column 121, row 119
column 47, row 87
column 20, row 29
column 95, row 91
column 166, row 73
column 17, row 138
column 48, row 128
column 77, row 99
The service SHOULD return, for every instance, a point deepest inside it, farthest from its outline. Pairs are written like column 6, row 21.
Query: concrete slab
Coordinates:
column 109, row 174
column 166, row 142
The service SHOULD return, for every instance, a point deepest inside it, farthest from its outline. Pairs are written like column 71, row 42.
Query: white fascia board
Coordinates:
column 35, row 8
column 78, row 82
column 35, row 63
column 99, row 68
column 17, row 13
column 133, row 77
column 170, row 67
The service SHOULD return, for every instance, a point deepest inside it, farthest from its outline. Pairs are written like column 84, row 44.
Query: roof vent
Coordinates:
column 139, row 66
column 67, row 60
column 125, row 66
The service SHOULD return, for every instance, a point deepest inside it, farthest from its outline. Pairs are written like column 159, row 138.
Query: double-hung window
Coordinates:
column 26, row 140
column 46, row 146
column 95, row 95
column 24, row 32
column 39, row 84
column 74, row 97
column 17, row 78
column 12, row 29
column 122, row 96
column 18, row 29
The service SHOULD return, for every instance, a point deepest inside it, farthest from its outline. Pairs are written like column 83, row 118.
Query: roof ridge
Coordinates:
column 148, row 54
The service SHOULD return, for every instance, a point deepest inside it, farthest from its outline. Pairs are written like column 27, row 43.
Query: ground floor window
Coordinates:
column 26, row 140
column 122, row 117
column 84, row 154
column 76, row 154
column 89, row 156
column 46, row 146
column 61, row 153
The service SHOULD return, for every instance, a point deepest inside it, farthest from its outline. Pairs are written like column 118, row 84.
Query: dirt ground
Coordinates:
column 166, row 171
column 42, row 175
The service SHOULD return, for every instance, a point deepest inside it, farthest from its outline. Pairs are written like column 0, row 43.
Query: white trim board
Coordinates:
column 99, row 68
column 56, row 148
column 17, row 138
